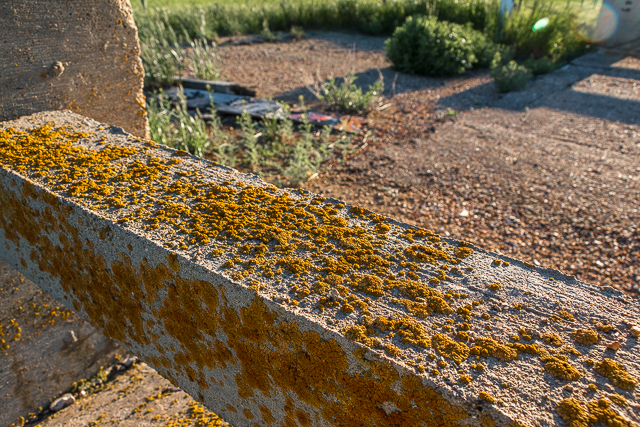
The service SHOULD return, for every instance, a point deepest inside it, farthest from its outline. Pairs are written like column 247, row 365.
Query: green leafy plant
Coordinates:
column 430, row 47
column 203, row 59
column 174, row 126
column 349, row 98
column 163, row 62
column 266, row 33
column 297, row 33
column 510, row 76
column 248, row 139
column 559, row 40
column 272, row 148
column 159, row 114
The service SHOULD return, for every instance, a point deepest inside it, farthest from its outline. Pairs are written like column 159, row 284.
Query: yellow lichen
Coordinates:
column 487, row 397
column 585, row 336
column 449, row 348
column 552, row 339
column 616, row 373
column 559, row 367
column 489, row 347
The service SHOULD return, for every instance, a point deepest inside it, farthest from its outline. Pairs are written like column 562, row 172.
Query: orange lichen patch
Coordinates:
column 585, row 336
column 552, row 339
column 597, row 411
column 618, row 399
column 560, row 367
column 566, row 315
column 489, row 347
column 449, row 348
column 573, row 413
column 462, row 251
column 616, row 373
column 604, row 328
column 487, row 397
column 412, row 332
column 267, row 417
column 371, row 285
column 429, row 254
column 359, row 333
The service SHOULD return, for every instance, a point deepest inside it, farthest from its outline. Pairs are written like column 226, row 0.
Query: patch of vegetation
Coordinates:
column 165, row 61
column 510, row 76
column 347, row 97
column 559, row 41
column 430, row 47
column 272, row 148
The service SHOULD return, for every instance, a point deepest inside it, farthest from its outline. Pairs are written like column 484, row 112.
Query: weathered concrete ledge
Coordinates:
column 280, row 307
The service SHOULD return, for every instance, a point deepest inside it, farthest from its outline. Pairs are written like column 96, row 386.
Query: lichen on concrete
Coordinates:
column 252, row 297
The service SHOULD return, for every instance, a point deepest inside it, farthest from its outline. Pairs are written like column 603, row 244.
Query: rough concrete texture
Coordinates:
column 73, row 55
column 46, row 347
column 279, row 307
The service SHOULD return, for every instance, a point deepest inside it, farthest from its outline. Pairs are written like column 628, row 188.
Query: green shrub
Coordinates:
column 430, row 47
column 510, row 76
column 558, row 41
column 540, row 66
column 347, row 97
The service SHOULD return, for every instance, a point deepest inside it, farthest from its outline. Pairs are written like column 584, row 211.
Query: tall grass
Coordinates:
column 272, row 148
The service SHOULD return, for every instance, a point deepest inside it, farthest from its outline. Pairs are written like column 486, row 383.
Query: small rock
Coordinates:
column 464, row 213
column 335, row 295
column 635, row 331
column 62, row 402
column 615, row 346
column 129, row 360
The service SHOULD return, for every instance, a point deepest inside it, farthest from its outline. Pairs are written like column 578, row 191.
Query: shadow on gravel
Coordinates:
column 395, row 83
column 588, row 87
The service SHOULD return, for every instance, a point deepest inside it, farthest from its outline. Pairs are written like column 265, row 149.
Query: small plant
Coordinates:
column 347, row 97
column 298, row 33
column 159, row 112
column 540, row 66
column 510, row 76
column 266, row 33
column 175, row 127
column 248, row 139
column 430, row 47
column 163, row 62
column 272, row 148
column 203, row 59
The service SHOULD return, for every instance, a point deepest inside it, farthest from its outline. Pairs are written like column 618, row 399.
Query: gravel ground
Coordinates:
column 549, row 174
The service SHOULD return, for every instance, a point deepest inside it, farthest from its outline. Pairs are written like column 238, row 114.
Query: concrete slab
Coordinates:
column 46, row 347
column 279, row 306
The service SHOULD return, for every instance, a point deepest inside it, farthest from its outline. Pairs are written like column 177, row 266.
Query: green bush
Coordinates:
column 430, row 47
column 558, row 41
column 540, row 66
column 510, row 76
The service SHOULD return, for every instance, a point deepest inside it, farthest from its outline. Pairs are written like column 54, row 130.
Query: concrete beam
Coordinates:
column 280, row 307
column 74, row 55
